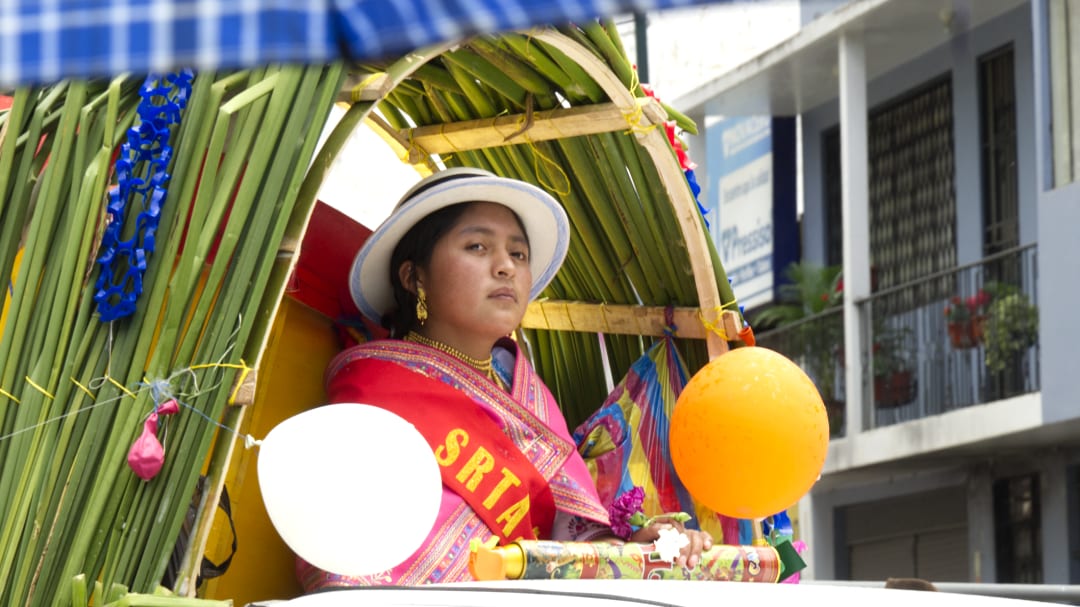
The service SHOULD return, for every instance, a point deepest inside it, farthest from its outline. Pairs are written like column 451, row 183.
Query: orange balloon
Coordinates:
column 749, row 433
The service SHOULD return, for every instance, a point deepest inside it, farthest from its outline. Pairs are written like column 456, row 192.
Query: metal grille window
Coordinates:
column 912, row 196
column 997, row 115
column 1001, row 207
column 1018, row 530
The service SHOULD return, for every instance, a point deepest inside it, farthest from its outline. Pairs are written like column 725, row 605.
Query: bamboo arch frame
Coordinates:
column 580, row 120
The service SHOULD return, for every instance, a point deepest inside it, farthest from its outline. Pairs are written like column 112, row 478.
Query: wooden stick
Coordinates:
column 559, row 315
column 507, row 130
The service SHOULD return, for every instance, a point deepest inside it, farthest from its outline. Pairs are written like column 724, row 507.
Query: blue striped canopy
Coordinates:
column 47, row 40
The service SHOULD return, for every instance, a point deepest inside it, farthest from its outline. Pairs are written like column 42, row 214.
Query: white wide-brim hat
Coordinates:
column 543, row 218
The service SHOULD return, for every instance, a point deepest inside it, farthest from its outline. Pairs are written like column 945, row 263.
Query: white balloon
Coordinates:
column 351, row 488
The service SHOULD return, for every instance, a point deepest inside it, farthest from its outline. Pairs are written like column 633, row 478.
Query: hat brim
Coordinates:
column 543, row 218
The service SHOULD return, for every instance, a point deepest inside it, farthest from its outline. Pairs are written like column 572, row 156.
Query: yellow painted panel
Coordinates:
column 290, row 380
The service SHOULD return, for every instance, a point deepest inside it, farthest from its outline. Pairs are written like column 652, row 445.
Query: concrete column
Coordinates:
column 968, row 151
column 1053, row 485
column 816, row 528
column 982, row 559
column 855, row 189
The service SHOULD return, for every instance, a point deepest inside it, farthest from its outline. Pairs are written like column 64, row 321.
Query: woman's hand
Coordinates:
column 690, row 553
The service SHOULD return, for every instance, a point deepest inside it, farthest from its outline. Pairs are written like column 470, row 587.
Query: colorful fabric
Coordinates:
column 477, row 460
column 527, row 414
column 625, row 445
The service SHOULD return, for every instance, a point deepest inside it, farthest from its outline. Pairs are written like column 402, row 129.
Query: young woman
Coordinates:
column 450, row 273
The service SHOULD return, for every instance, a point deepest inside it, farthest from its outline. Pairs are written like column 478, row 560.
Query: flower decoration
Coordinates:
column 681, row 155
column 966, row 316
column 626, row 515
column 979, row 303
column 956, row 311
column 623, row 509
column 961, row 310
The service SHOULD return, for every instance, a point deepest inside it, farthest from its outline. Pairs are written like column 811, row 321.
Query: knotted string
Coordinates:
column 161, row 390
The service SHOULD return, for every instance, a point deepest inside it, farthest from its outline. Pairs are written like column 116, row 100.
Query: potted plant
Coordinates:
column 958, row 322
column 1012, row 326
column 894, row 379
column 966, row 319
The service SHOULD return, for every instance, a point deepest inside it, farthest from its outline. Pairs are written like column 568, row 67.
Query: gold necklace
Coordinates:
column 483, row 365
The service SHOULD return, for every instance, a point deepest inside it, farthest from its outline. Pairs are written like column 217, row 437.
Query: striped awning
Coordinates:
column 48, row 40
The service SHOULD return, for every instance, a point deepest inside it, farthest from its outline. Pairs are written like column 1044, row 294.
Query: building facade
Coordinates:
column 938, row 164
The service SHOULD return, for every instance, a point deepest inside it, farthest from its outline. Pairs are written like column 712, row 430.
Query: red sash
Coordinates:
column 477, row 459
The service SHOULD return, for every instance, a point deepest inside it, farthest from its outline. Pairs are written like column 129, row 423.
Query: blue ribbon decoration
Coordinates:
column 146, row 152
column 779, row 523
column 691, row 179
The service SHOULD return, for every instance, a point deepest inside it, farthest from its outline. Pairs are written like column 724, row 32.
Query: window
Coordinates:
column 1000, row 204
column 1018, row 530
column 912, row 196
column 997, row 135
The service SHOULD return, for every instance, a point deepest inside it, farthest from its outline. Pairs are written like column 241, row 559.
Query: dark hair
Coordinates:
column 416, row 246
column 909, row 583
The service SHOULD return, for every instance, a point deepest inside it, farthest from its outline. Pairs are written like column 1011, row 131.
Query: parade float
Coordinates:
column 175, row 291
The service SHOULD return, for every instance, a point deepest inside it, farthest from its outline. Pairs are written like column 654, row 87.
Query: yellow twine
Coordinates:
column 633, row 117
column 709, row 326
column 570, row 319
column 83, row 388
column 121, row 386
column 414, row 151
column 244, row 371
column 442, row 131
column 354, row 94
column 633, row 120
column 537, row 155
column 239, row 383
column 603, row 316
column 39, row 388
column 635, row 80
column 543, row 312
column 240, row 365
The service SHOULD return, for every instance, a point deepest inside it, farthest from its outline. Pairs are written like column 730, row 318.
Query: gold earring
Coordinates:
column 421, row 305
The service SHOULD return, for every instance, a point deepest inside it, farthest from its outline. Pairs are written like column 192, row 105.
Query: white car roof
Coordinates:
column 643, row 593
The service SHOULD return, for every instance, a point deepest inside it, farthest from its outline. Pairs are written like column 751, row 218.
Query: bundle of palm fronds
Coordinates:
column 191, row 244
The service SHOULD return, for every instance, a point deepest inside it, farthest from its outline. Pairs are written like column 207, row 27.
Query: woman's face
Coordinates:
column 478, row 280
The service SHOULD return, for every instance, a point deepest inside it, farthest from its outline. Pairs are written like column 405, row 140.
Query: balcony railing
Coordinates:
column 816, row 343
column 950, row 340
